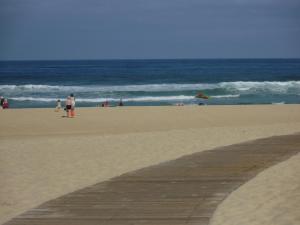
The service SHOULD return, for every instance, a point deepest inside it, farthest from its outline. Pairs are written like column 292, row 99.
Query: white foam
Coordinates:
column 242, row 86
column 278, row 103
column 265, row 86
column 98, row 100
column 160, row 98
column 100, row 88
column 225, row 96
column 33, row 99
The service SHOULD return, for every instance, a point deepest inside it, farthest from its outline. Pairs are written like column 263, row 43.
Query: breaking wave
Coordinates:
column 225, row 96
column 133, row 99
column 237, row 86
column 238, row 92
column 136, row 99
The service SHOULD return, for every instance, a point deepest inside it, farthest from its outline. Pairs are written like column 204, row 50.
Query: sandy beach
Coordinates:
column 272, row 197
column 44, row 155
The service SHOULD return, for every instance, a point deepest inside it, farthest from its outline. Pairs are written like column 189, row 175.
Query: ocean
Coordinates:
column 33, row 84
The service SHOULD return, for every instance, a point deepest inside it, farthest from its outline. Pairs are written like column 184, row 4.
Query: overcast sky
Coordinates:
column 141, row 29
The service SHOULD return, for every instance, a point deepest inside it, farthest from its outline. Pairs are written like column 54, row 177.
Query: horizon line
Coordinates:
column 148, row 59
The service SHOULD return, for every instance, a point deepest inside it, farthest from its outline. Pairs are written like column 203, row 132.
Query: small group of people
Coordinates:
column 69, row 106
column 106, row 103
column 4, row 103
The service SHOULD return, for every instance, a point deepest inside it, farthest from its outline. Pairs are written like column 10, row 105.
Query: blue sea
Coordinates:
column 30, row 84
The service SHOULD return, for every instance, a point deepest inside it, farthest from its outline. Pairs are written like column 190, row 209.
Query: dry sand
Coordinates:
column 272, row 197
column 43, row 155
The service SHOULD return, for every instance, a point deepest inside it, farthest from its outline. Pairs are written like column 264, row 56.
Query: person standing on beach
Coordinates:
column 58, row 106
column 68, row 106
column 121, row 102
column 72, row 105
column 1, row 101
column 5, row 104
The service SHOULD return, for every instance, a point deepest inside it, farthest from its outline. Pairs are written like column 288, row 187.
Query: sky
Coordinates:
column 148, row 29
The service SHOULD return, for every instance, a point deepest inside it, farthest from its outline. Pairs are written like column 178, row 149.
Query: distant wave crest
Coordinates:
column 102, row 88
column 133, row 99
column 225, row 96
column 234, row 87
column 265, row 86
column 151, row 92
column 98, row 100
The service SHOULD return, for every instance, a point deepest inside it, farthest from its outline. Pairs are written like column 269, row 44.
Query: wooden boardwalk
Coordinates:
column 182, row 191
